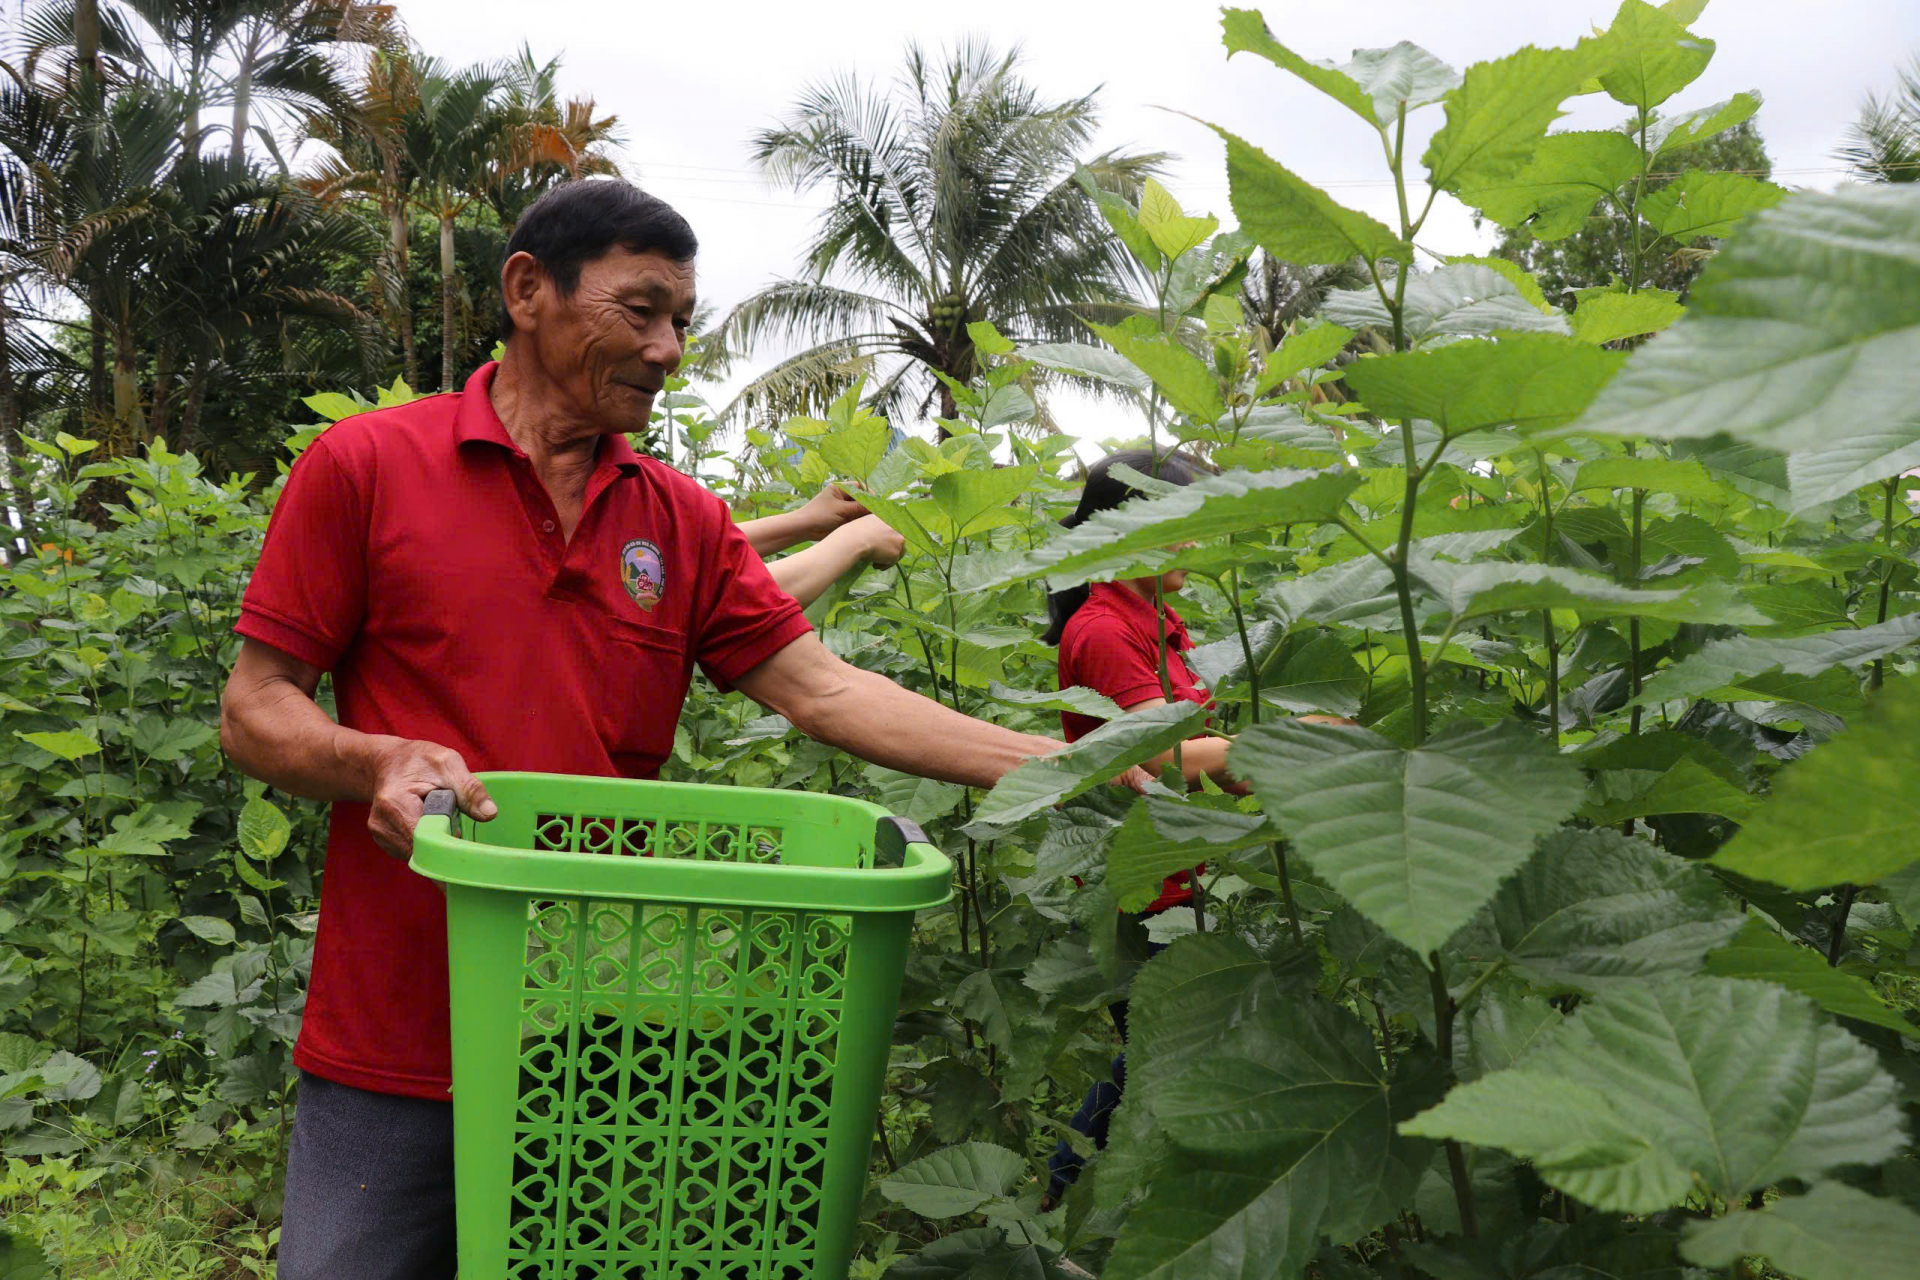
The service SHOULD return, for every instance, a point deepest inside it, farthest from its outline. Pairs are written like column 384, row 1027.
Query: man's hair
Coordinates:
column 581, row 221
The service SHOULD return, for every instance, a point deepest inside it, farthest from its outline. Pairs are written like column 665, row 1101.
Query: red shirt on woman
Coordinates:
column 1111, row 645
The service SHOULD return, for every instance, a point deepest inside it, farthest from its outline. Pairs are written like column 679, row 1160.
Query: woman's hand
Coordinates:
column 871, row 540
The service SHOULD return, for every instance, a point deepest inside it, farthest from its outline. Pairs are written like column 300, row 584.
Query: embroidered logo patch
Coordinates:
column 643, row 572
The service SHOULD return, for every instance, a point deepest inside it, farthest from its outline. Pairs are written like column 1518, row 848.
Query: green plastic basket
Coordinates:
column 672, row 1007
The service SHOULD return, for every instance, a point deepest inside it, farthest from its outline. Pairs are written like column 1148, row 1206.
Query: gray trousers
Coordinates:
column 369, row 1187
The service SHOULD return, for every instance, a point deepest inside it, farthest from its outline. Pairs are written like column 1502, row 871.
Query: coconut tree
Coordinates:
column 954, row 200
column 1883, row 143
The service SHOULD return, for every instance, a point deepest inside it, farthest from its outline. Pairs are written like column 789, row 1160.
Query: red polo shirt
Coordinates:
column 1111, row 645
column 415, row 554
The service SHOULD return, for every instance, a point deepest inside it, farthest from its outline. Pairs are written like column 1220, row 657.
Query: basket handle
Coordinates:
column 443, row 804
column 891, row 836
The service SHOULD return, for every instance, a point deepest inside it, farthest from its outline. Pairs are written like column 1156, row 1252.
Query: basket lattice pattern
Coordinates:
column 676, row 1069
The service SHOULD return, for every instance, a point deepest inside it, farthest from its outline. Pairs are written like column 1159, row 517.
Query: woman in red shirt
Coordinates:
column 1112, row 637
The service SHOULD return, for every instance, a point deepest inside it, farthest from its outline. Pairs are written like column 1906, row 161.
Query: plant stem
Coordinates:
column 1633, row 624
column 1246, row 645
column 1837, row 943
column 1886, row 575
column 1286, row 892
column 1443, row 1011
column 1553, row 676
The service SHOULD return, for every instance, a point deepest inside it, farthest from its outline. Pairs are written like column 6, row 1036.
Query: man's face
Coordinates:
column 612, row 343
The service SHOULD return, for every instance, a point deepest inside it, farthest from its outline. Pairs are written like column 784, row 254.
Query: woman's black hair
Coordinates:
column 1103, row 492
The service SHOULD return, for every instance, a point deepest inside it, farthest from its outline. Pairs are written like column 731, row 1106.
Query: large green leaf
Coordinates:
column 1374, row 85
column 1686, row 786
column 1173, row 232
column 1834, row 1232
column 1416, row 840
column 972, row 500
column 1803, row 336
column 1655, row 56
column 1707, row 204
column 1649, row 1094
column 1479, row 590
column 1210, row 508
column 1088, row 361
column 67, row 744
column 1496, row 117
column 1275, row 1151
column 1846, row 812
column 1568, row 174
column 981, row 1253
column 1720, row 663
column 1161, row 837
column 1692, row 127
column 1131, row 739
column 1294, row 220
column 955, row 1180
column 1595, row 910
column 1305, row 350
column 1759, row 952
column 263, row 830
column 1608, row 317
column 1530, row 380
column 1187, row 382
column 1463, row 300
column 1684, row 478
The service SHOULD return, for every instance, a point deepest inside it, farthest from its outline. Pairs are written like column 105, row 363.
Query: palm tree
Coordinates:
column 954, row 200
column 1883, row 143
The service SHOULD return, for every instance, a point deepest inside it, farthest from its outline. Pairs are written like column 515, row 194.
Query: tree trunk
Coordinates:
column 948, row 409
column 129, row 422
column 86, row 37
column 242, row 101
column 402, row 287
column 448, row 344
column 12, row 505
column 97, row 352
column 162, row 393
column 190, row 414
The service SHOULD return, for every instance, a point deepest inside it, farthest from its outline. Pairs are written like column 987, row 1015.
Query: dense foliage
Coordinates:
column 1588, row 952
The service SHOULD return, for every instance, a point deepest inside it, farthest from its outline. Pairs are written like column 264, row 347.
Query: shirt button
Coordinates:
column 548, row 526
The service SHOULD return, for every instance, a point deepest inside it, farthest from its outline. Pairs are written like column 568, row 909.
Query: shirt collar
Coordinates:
column 1131, row 605
column 475, row 419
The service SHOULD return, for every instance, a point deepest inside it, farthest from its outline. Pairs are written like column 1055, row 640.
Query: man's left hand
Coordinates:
column 828, row 509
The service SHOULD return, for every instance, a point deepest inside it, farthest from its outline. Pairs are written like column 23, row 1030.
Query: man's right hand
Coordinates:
column 828, row 509
column 404, row 772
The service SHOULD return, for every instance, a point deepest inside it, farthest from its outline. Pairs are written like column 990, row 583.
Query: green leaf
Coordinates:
column 333, row 406
column 1173, row 232
column 263, row 831
column 988, row 340
column 1123, row 218
column 1466, row 300
column 1760, row 953
column 1844, row 813
column 855, row 449
column 69, row 1078
column 956, row 1180
column 1077, row 698
column 1212, row 507
column 1403, row 76
column 980, row 1253
column 1479, row 590
column 1127, row 740
column 21, row 1259
column 1655, row 56
column 1722, row 663
column 916, row 799
column 1834, row 1232
column 1162, row 837
column 1594, row 910
column 1802, row 336
column 1530, row 380
column 1306, row 349
column 981, row 997
column 972, row 501
column 1505, row 1027
column 210, row 928
column 1010, row 404
column 1707, row 204
column 1520, row 278
column 1686, row 787
column 1294, row 220
column 1693, row 127
column 1686, row 479
column 1275, row 1151
column 1496, row 117
column 1189, row 384
column 1553, row 194
column 1416, row 840
column 66, row 744
column 1609, row 317
column 1088, row 361
column 1649, row 1093
column 1246, row 32
column 73, row 445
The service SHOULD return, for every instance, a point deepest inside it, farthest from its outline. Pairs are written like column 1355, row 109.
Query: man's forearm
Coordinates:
column 805, row 574
column 772, row 534
column 872, row 717
column 276, row 733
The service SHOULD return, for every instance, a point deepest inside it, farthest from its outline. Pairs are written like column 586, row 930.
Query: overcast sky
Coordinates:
column 691, row 83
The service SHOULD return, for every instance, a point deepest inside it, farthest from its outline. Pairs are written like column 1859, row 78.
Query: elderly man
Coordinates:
column 497, row 581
